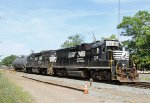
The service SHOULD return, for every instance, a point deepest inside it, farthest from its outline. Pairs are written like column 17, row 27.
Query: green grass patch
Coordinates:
column 11, row 93
column 148, row 79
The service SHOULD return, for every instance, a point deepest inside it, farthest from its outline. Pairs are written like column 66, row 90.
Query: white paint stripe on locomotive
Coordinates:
column 120, row 58
column 120, row 55
column 124, row 55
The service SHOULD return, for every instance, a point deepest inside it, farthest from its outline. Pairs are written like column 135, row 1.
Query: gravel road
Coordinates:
column 99, row 93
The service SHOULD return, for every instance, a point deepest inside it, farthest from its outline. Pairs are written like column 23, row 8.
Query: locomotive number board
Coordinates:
column 112, row 43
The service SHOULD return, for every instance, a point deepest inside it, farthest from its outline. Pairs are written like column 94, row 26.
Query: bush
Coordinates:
column 11, row 93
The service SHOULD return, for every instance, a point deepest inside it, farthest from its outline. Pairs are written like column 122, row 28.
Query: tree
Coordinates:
column 7, row 61
column 113, row 36
column 73, row 41
column 138, row 28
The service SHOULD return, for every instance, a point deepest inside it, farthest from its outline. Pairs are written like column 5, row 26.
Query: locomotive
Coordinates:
column 103, row 60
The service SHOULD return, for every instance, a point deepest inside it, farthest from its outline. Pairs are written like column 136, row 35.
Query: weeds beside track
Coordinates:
column 11, row 93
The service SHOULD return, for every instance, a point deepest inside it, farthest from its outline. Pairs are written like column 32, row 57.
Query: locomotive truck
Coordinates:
column 100, row 61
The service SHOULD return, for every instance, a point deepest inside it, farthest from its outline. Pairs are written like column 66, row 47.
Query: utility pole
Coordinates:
column 118, row 18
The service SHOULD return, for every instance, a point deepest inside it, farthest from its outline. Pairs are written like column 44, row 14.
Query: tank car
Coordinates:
column 20, row 63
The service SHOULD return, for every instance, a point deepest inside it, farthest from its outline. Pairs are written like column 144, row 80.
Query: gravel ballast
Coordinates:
column 104, row 91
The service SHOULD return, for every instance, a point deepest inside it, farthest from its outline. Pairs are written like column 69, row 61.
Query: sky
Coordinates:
column 36, row 25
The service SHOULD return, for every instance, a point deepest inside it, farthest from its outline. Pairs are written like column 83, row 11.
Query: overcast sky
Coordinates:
column 38, row 25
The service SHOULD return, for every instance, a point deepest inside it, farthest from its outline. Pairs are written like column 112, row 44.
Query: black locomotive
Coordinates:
column 101, row 61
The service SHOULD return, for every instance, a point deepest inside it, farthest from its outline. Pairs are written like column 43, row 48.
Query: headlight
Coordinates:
column 123, row 65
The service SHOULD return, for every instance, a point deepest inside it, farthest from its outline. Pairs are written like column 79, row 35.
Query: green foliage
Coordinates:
column 11, row 93
column 112, row 37
column 147, row 79
column 72, row 41
column 8, row 60
column 138, row 28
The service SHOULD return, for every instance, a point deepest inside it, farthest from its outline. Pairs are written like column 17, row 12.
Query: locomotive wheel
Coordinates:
column 61, row 72
column 64, row 73
column 57, row 72
column 107, row 76
column 93, row 74
column 44, row 71
column 29, row 70
column 40, row 71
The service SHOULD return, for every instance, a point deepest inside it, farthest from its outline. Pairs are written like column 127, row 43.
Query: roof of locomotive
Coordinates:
column 84, row 46
column 42, row 53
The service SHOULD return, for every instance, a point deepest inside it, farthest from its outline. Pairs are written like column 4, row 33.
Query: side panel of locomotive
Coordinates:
column 73, row 61
column 84, row 61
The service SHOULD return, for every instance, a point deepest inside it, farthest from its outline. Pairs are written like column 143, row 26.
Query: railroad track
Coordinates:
column 145, row 85
column 58, row 83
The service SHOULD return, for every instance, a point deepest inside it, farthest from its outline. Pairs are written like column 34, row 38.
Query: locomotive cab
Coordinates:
column 103, row 55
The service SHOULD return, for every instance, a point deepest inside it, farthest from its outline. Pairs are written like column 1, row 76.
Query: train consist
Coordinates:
column 100, row 61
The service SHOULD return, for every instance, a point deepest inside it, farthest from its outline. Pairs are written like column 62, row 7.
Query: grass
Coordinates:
column 147, row 79
column 11, row 93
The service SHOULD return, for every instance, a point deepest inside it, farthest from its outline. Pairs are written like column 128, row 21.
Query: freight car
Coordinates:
column 101, row 61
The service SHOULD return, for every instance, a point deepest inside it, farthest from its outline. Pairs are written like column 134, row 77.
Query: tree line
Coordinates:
column 7, row 61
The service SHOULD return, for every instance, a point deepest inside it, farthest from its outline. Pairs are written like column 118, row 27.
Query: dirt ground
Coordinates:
column 45, row 93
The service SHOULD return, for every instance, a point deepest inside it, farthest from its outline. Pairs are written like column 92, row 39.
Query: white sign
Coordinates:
column 71, row 54
column 112, row 43
column 81, row 53
column 52, row 59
